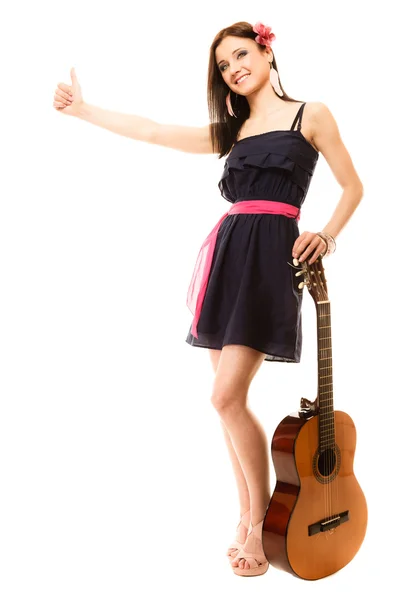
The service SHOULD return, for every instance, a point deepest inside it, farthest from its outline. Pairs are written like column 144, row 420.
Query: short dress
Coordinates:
column 252, row 296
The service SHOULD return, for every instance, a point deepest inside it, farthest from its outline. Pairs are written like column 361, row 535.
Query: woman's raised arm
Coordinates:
column 68, row 100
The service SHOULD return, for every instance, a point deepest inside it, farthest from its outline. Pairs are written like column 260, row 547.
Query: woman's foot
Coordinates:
column 241, row 535
column 251, row 560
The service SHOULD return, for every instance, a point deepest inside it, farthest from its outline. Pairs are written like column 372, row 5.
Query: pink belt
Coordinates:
column 199, row 280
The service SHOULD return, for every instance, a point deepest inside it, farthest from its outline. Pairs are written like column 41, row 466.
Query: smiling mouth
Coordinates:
column 242, row 79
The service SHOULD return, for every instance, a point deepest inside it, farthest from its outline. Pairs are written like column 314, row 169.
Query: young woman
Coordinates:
column 244, row 293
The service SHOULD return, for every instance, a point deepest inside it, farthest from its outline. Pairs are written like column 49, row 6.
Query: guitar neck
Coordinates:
column 325, row 375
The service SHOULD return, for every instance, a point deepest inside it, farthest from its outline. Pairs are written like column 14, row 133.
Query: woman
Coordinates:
column 244, row 293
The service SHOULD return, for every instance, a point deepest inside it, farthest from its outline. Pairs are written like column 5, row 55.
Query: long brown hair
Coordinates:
column 224, row 128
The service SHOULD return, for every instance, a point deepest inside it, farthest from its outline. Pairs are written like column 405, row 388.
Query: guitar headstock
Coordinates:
column 313, row 277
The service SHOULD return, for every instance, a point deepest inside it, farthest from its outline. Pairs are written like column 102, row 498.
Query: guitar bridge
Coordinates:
column 330, row 523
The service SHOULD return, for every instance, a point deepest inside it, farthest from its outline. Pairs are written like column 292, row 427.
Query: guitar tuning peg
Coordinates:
column 295, row 262
column 301, row 285
column 299, row 273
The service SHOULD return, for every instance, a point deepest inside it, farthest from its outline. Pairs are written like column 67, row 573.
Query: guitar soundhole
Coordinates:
column 326, row 464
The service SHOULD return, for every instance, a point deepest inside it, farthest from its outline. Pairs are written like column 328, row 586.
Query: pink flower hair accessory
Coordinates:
column 265, row 35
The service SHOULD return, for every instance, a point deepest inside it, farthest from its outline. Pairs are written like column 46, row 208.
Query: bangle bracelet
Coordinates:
column 323, row 239
column 330, row 242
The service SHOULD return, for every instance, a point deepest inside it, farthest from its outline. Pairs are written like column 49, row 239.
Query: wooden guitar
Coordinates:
column 317, row 516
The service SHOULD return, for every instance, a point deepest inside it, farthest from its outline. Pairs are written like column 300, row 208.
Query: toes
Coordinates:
column 241, row 563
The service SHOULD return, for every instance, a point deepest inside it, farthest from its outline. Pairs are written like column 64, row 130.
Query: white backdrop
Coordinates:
column 115, row 477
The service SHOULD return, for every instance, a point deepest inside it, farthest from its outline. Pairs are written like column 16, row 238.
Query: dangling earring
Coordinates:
column 229, row 106
column 273, row 78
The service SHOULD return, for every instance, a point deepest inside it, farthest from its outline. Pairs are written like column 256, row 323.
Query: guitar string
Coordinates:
column 335, row 482
column 322, row 417
column 330, row 413
column 331, row 418
column 324, row 427
column 327, row 416
column 322, row 412
column 335, row 479
column 328, row 419
column 323, row 373
column 332, row 462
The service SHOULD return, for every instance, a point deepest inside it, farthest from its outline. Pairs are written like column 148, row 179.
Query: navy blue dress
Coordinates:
column 252, row 296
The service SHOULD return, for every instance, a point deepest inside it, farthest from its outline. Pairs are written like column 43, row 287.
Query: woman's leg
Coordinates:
column 242, row 486
column 235, row 371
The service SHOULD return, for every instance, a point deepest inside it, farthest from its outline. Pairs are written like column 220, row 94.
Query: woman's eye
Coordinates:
column 240, row 54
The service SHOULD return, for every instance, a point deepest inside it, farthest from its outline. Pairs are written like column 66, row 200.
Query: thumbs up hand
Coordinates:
column 68, row 98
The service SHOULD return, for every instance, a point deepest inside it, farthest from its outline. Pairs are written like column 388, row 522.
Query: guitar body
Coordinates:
column 317, row 517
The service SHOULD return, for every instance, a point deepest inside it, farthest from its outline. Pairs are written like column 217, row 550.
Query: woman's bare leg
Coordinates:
column 235, row 371
column 242, row 486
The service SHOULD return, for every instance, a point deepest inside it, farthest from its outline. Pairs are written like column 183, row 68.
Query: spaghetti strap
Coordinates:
column 299, row 114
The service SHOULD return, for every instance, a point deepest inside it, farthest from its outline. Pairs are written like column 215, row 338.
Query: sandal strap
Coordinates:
column 253, row 562
column 247, row 555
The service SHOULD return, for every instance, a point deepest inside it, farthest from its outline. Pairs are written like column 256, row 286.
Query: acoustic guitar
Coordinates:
column 316, row 519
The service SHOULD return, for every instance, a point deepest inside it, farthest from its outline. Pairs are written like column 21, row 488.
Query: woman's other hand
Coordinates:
column 307, row 244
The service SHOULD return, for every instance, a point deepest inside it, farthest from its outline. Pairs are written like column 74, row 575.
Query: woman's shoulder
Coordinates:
column 316, row 110
column 317, row 116
column 314, row 114
column 314, row 107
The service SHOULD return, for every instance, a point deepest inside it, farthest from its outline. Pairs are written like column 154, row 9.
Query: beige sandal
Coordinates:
column 237, row 546
column 253, row 553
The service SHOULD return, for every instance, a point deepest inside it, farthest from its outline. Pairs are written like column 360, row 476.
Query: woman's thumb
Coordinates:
column 73, row 75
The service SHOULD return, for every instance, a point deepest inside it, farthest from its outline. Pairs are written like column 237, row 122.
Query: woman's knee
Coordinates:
column 228, row 399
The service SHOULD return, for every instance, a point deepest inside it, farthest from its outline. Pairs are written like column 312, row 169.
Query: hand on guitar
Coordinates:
column 308, row 244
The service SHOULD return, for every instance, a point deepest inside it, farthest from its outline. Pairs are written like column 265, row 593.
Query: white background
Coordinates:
column 115, row 478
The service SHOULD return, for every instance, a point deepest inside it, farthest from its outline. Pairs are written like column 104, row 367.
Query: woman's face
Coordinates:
column 236, row 57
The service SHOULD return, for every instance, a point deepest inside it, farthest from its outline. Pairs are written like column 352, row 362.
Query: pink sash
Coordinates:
column 199, row 280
